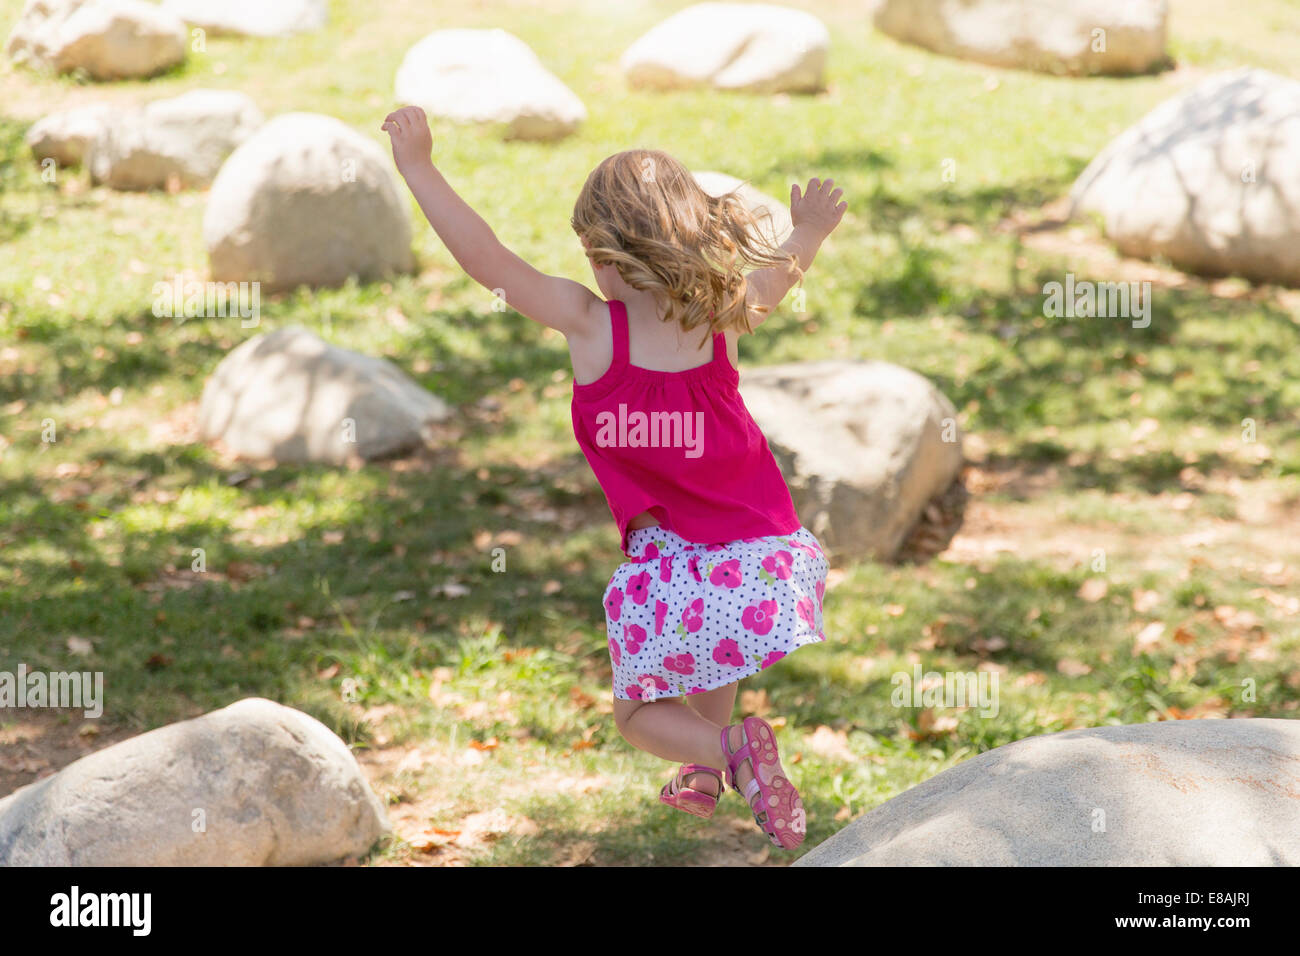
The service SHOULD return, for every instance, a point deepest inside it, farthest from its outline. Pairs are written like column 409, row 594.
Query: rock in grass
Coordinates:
column 183, row 139
column 252, row 784
column 107, row 39
column 773, row 216
column 864, row 447
column 1069, row 37
column 490, row 78
column 1173, row 793
column 66, row 135
column 260, row 18
column 306, row 200
column 750, row 47
column 289, row 396
column 1208, row 179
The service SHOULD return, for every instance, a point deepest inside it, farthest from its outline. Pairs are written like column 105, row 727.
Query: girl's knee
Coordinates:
column 623, row 711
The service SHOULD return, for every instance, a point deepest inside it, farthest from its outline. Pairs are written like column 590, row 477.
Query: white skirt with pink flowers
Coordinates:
column 685, row 618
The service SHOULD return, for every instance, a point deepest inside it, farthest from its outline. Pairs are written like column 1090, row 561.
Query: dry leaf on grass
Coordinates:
column 930, row 724
column 1093, row 589
column 1072, row 668
column 829, row 743
column 755, row 702
column 1148, row 638
column 1144, row 601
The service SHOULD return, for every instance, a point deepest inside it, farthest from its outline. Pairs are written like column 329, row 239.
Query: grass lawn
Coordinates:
column 1113, row 486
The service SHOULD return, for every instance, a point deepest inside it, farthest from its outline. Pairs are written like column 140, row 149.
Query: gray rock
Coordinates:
column 1071, row 37
column 861, row 445
column 751, row 47
column 66, row 135
column 772, row 215
column 252, row 784
column 276, row 18
column 307, row 200
column 1208, row 179
column 291, row 397
column 491, row 78
column 108, row 39
column 1174, row 793
column 185, row 138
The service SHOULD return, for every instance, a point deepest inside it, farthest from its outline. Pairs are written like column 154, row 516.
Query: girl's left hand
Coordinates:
column 412, row 142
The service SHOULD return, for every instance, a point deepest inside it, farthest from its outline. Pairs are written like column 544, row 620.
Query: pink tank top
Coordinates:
column 681, row 445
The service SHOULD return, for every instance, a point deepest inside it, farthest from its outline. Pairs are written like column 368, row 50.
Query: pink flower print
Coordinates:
column 645, row 680
column 779, row 565
column 821, row 591
column 666, row 568
column 651, row 551
column 727, row 574
column 661, row 611
column 727, row 651
column 696, row 690
column 694, row 567
column 759, row 617
column 638, row 587
column 615, row 651
column 772, row 658
column 803, row 547
column 634, row 691
column 806, row 611
column 680, row 663
column 693, row 615
column 614, row 604
column 716, row 547
column 633, row 637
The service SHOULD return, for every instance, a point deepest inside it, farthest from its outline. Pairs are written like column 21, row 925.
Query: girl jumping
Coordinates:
column 722, row 580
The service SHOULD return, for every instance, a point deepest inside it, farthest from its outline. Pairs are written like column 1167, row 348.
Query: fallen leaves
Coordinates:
column 755, row 703
column 830, row 743
column 931, row 724
column 1073, row 668
column 1093, row 590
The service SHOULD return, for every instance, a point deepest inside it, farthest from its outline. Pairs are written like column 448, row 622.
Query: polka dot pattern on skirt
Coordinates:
column 686, row 618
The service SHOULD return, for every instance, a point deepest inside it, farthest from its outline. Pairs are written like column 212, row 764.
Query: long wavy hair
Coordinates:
column 643, row 212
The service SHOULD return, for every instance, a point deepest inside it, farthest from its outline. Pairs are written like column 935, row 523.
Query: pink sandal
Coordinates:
column 695, row 802
column 780, row 812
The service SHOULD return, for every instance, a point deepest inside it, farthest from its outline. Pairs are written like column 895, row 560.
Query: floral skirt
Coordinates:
column 685, row 618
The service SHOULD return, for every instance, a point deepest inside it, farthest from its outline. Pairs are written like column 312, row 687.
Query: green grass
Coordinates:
column 316, row 576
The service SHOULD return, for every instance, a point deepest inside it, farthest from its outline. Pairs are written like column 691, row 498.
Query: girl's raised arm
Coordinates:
column 559, row 303
column 814, row 214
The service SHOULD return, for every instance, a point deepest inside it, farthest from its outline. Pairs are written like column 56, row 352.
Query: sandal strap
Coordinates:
column 737, row 757
column 678, row 783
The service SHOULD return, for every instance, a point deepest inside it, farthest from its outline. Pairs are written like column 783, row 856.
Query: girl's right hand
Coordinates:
column 817, row 207
column 408, row 129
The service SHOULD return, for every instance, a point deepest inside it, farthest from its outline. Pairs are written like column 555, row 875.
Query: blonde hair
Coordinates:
column 643, row 212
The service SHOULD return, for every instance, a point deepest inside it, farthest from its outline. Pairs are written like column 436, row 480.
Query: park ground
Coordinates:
column 1129, row 552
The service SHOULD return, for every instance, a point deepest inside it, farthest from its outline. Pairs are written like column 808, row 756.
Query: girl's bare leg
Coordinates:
column 717, row 706
column 675, row 731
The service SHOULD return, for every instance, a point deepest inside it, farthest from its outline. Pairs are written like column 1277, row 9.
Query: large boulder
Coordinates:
column 306, row 200
column 107, row 39
column 488, row 77
column 772, row 215
column 1208, row 179
column 184, row 139
column 864, row 446
column 253, row 784
column 289, row 396
column 259, row 18
column 1070, row 37
column 751, row 47
column 1174, row 793
column 65, row 136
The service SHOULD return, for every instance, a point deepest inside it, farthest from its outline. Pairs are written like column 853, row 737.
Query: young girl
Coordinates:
column 722, row 580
